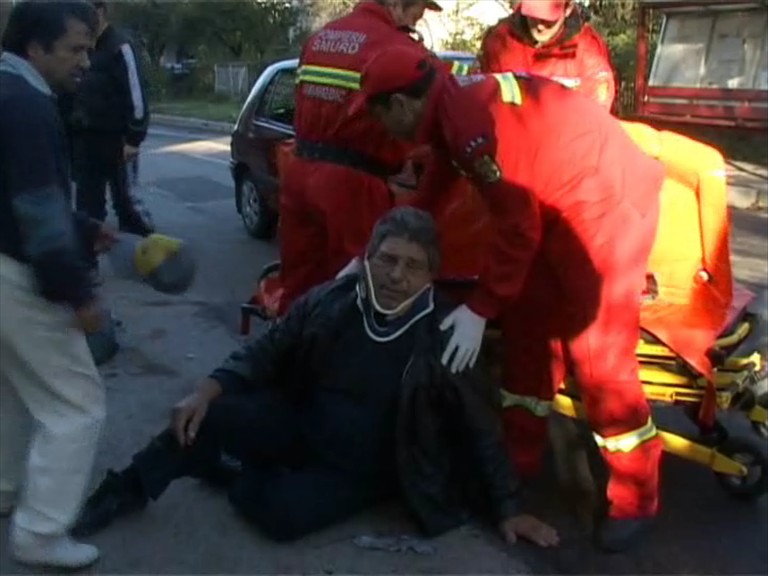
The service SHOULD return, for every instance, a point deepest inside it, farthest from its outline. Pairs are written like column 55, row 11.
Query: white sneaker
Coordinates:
column 53, row 551
column 7, row 503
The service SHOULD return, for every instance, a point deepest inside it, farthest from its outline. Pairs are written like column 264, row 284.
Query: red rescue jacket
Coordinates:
column 329, row 73
column 578, row 58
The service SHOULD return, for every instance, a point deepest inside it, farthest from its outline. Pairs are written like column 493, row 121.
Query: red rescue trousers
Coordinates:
column 579, row 314
column 327, row 213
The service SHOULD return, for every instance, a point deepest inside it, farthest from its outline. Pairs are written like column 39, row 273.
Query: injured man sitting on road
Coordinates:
column 338, row 405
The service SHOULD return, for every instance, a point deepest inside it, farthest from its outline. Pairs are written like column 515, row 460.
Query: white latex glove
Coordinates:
column 354, row 267
column 464, row 345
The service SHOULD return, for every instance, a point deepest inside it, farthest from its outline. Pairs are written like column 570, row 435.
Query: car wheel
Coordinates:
column 258, row 218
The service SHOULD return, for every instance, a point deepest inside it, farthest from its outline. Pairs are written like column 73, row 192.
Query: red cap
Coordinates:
column 551, row 10
column 432, row 5
column 395, row 68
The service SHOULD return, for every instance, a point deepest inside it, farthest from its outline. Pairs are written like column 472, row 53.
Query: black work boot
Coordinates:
column 619, row 534
column 118, row 494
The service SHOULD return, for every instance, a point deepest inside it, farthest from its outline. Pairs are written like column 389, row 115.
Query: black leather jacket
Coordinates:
column 450, row 451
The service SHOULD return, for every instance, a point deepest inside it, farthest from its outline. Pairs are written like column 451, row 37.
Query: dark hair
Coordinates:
column 410, row 224
column 44, row 22
column 416, row 90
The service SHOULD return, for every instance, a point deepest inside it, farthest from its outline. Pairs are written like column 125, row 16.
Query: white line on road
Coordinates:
column 189, row 148
column 190, row 155
column 196, row 156
column 186, row 134
column 196, row 145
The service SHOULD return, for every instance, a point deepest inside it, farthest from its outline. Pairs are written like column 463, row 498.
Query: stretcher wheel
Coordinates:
column 755, row 483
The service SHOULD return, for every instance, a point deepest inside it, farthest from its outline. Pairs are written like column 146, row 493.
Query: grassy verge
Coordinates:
column 212, row 110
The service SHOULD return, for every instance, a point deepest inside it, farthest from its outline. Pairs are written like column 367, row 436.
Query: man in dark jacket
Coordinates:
column 341, row 403
column 107, row 119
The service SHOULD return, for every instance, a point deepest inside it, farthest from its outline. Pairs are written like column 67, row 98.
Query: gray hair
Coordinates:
column 410, row 224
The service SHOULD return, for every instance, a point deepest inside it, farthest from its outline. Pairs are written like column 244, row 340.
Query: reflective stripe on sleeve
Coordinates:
column 326, row 76
column 510, row 88
column 535, row 406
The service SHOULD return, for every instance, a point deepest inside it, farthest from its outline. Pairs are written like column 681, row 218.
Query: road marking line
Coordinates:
column 186, row 135
column 188, row 154
column 197, row 145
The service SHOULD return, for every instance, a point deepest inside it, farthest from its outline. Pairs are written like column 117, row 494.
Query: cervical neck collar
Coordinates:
column 383, row 325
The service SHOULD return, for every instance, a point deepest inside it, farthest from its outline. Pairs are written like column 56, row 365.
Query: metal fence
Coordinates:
column 232, row 79
column 626, row 97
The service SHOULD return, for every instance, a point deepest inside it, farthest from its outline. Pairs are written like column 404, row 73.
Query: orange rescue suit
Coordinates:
column 336, row 187
column 573, row 209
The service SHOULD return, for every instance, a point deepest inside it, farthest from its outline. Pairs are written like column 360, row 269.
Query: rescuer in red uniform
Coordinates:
column 574, row 208
column 551, row 38
column 336, row 189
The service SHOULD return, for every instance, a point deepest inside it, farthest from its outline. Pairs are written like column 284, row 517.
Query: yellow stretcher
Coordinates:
column 740, row 385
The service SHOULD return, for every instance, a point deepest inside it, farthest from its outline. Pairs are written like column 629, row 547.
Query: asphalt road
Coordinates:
column 170, row 342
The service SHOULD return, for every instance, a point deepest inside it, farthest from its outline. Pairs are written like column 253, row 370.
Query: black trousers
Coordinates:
column 97, row 161
column 281, row 490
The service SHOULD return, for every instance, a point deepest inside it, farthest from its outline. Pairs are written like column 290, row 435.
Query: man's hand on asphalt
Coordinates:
column 188, row 415
column 106, row 237
column 530, row 528
column 90, row 317
column 130, row 152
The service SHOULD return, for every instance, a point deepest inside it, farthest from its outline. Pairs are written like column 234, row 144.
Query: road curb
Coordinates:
column 739, row 196
column 193, row 123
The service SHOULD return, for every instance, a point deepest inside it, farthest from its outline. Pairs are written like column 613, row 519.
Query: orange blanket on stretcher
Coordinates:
column 691, row 259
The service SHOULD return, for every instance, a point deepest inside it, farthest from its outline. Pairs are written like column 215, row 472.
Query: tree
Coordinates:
column 151, row 22
column 617, row 22
column 463, row 23
column 246, row 29
column 465, row 32
column 320, row 12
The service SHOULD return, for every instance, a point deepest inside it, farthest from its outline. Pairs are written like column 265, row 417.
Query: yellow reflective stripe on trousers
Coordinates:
column 535, row 406
column 459, row 68
column 628, row 441
column 510, row 88
column 328, row 76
